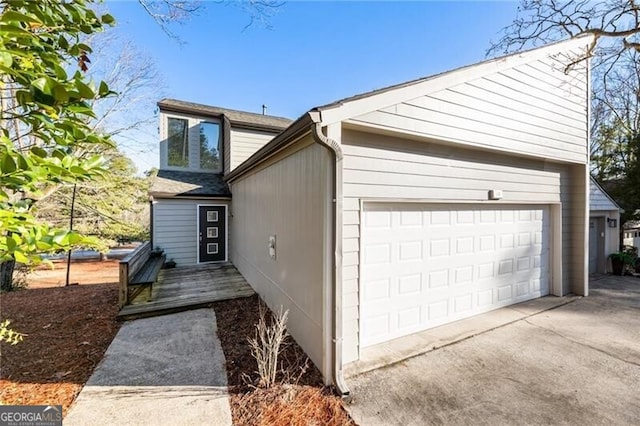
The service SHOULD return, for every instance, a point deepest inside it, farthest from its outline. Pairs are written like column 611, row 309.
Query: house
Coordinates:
column 405, row 208
column 198, row 145
column 604, row 231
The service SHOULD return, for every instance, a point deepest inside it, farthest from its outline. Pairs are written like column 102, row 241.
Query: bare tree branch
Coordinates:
column 615, row 53
column 169, row 12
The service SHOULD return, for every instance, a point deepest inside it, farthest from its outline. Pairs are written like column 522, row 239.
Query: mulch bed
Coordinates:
column 300, row 398
column 68, row 330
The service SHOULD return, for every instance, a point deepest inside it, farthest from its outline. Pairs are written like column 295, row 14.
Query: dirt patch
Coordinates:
column 68, row 330
column 301, row 399
column 81, row 272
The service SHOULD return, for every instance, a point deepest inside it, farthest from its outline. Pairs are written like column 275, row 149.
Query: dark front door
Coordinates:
column 212, row 234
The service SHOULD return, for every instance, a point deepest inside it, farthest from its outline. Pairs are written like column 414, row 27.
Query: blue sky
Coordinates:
column 315, row 52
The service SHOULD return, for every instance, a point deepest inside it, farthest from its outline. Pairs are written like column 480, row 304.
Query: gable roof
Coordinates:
column 596, row 188
column 359, row 104
column 380, row 98
column 172, row 183
column 239, row 118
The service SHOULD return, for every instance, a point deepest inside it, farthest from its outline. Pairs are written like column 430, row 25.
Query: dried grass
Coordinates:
column 292, row 405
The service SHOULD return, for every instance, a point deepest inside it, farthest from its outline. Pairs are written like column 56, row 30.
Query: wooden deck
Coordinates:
column 185, row 288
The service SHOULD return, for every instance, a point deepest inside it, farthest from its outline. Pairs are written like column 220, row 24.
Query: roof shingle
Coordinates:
column 182, row 183
column 236, row 117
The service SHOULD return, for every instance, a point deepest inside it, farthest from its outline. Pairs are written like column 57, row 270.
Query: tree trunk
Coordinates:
column 6, row 275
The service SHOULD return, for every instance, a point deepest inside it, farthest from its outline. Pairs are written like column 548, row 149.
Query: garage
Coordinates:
column 424, row 265
column 420, row 204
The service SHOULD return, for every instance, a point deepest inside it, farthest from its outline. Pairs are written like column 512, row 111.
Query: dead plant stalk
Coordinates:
column 267, row 344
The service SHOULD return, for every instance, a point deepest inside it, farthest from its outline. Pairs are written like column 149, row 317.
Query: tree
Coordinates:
column 44, row 111
column 616, row 119
column 113, row 207
column 615, row 60
column 615, row 25
column 626, row 188
column 168, row 12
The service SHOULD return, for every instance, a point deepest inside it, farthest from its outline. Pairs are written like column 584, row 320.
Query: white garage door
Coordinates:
column 426, row 265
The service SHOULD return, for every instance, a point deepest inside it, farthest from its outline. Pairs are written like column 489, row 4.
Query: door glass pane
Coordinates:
column 210, row 147
column 212, row 248
column 177, row 142
column 212, row 216
column 212, row 232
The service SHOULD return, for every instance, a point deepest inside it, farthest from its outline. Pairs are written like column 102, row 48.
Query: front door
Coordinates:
column 596, row 240
column 212, row 245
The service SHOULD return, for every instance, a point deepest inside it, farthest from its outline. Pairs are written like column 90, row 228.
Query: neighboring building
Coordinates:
column 405, row 208
column 604, row 228
column 199, row 144
column 632, row 235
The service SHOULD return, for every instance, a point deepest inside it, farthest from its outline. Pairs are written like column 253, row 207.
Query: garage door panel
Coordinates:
column 423, row 266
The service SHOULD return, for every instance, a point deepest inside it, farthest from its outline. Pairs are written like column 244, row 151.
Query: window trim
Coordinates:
column 187, row 140
column 220, row 147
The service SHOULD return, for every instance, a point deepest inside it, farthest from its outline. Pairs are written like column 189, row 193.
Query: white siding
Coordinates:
column 631, row 238
column 287, row 199
column 244, row 143
column 383, row 167
column 175, row 228
column 598, row 200
column 601, row 206
column 575, row 227
column 534, row 109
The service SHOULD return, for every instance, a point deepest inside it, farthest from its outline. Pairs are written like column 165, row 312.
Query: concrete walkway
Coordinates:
column 162, row 370
column 577, row 364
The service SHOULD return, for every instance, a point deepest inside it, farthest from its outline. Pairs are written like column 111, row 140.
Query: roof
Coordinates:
column 468, row 72
column 241, row 118
column 353, row 106
column 595, row 186
column 172, row 183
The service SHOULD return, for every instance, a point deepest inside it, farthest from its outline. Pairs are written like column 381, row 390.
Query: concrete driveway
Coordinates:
column 576, row 364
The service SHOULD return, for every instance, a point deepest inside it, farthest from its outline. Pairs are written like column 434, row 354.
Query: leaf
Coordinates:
column 11, row 244
column 84, row 90
column 62, row 41
column 22, row 162
column 39, row 152
column 80, row 109
column 75, row 238
column 60, row 238
column 43, row 84
column 108, row 19
column 12, row 15
column 20, row 257
column 8, row 164
column 14, row 30
column 42, row 245
column 60, row 94
column 104, row 89
column 6, row 59
column 95, row 161
column 60, row 72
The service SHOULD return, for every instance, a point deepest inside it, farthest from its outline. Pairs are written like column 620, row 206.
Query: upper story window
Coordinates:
column 177, row 142
column 210, row 147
